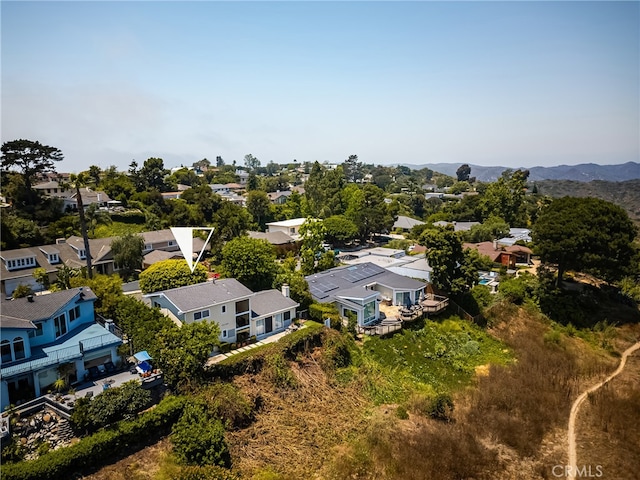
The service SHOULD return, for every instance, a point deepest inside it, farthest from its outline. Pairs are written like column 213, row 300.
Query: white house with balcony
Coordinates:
column 41, row 333
column 239, row 312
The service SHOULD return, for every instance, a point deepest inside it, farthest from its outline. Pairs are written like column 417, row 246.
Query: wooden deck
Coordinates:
column 395, row 316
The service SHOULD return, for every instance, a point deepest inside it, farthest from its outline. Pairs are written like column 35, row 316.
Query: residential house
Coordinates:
column 42, row 333
column 406, row 223
column 243, row 177
column 457, row 226
column 495, row 252
column 69, row 198
column 515, row 235
column 290, row 227
column 239, row 312
column 279, row 197
column 360, row 288
column 18, row 264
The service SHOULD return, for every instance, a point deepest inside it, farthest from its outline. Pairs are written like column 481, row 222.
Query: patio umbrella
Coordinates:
column 142, row 356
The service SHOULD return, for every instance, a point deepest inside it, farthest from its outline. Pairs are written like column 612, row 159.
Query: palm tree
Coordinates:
column 77, row 182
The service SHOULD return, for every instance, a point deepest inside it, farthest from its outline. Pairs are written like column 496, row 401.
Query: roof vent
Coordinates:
column 30, row 298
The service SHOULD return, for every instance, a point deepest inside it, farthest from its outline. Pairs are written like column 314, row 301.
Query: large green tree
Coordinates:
column 505, row 198
column 250, row 261
column 453, row 268
column 170, row 274
column 30, row 158
column 259, row 206
column 586, row 234
column 340, row 230
column 182, row 352
column 127, row 252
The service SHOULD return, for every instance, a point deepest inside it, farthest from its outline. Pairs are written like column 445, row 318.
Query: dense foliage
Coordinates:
column 250, row 261
column 169, row 274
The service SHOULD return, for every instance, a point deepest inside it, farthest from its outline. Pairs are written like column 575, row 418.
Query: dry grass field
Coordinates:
column 509, row 424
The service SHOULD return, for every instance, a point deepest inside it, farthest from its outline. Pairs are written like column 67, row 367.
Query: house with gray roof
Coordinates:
column 18, row 264
column 359, row 289
column 40, row 333
column 406, row 223
column 239, row 312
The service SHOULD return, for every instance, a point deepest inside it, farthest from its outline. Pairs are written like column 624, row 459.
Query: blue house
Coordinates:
column 45, row 337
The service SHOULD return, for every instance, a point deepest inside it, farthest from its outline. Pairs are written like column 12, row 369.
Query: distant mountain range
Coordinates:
column 585, row 172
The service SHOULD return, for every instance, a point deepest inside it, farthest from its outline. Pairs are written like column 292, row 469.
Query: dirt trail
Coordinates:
column 573, row 462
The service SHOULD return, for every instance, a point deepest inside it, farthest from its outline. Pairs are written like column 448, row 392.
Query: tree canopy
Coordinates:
column 170, row 274
column 250, row 261
column 454, row 269
column 127, row 252
column 31, row 158
column 586, row 234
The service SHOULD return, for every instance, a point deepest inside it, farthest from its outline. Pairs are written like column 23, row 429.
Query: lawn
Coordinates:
column 117, row 229
column 439, row 358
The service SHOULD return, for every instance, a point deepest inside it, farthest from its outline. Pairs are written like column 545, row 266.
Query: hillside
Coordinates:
column 625, row 194
column 366, row 419
column 585, row 172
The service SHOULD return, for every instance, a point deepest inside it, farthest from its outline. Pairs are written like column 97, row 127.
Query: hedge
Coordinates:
column 93, row 451
column 251, row 361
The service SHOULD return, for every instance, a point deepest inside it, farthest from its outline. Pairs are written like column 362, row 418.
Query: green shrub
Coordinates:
column 112, row 405
column 321, row 311
column 401, row 412
column 198, row 439
column 441, row 407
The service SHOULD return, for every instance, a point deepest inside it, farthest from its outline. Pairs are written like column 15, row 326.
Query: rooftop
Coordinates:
column 202, row 295
column 43, row 306
column 270, row 301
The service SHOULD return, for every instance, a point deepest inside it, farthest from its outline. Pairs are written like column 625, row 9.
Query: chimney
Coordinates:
column 285, row 289
column 30, row 298
column 495, row 244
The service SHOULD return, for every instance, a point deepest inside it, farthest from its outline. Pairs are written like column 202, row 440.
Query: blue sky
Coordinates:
column 488, row 83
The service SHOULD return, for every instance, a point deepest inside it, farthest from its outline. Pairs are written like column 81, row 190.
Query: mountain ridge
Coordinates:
column 584, row 172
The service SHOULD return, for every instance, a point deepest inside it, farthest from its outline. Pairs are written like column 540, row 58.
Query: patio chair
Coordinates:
column 89, row 394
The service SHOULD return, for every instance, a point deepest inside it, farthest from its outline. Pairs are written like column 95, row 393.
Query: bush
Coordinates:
column 321, row 311
column 198, row 439
column 110, row 406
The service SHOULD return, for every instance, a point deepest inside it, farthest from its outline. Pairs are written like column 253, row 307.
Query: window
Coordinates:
column 60, row 324
column 147, row 247
column 260, row 327
column 242, row 306
column 370, row 311
column 82, row 253
column 278, row 324
column 171, row 243
column 224, row 334
column 6, row 351
column 287, row 316
column 201, row 315
column 38, row 332
column 242, row 320
column 224, row 309
column 53, row 258
column 74, row 313
column 18, row 348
